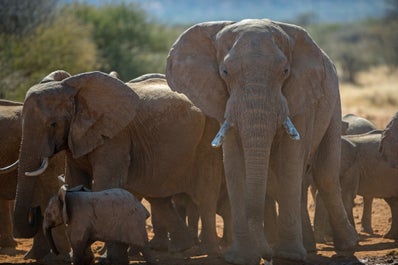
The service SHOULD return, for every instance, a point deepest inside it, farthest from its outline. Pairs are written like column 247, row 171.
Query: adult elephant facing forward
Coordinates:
column 252, row 76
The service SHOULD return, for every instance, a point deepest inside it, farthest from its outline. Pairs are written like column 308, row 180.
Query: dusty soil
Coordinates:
column 372, row 249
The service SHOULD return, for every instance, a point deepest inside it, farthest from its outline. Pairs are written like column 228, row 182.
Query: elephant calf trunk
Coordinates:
column 50, row 239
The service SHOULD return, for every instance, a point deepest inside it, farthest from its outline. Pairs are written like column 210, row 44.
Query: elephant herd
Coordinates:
column 247, row 114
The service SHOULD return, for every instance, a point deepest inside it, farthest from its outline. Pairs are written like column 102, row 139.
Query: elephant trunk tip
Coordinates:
column 28, row 226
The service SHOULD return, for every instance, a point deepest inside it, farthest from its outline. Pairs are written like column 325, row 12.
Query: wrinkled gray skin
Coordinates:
column 252, row 75
column 48, row 184
column 351, row 124
column 113, row 215
column 189, row 212
column 139, row 136
column 366, row 173
column 389, row 142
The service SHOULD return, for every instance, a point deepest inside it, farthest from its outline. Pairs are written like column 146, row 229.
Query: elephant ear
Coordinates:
column 312, row 72
column 104, row 106
column 57, row 75
column 192, row 68
column 348, row 154
column 62, row 198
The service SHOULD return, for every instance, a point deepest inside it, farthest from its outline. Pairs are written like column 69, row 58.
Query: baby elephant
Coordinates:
column 112, row 215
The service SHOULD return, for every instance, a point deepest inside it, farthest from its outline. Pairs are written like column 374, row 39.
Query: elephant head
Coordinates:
column 389, row 142
column 55, row 215
column 77, row 113
column 251, row 76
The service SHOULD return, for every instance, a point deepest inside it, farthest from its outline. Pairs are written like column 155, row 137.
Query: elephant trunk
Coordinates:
column 26, row 220
column 257, row 133
column 50, row 239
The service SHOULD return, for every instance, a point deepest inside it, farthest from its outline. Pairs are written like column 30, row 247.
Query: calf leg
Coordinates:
column 366, row 221
column 393, row 203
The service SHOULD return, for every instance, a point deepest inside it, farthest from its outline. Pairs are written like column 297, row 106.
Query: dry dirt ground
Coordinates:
column 372, row 249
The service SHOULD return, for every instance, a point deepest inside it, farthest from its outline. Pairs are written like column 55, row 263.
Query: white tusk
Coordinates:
column 9, row 168
column 39, row 171
column 290, row 129
column 219, row 138
column 62, row 178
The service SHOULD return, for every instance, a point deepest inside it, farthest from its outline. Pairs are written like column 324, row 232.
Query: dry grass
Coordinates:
column 375, row 97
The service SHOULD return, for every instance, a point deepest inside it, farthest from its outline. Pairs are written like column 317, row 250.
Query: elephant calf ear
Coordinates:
column 104, row 107
column 62, row 198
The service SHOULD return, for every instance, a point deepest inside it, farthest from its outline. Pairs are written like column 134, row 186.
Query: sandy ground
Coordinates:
column 372, row 249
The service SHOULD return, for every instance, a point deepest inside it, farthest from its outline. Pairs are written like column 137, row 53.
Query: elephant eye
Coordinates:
column 286, row 71
column 53, row 124
column 225, row 72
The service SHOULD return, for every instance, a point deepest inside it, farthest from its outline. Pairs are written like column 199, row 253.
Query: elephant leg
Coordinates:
column 322, row 229
column 166, row 216
column 207, row 212
column 289, row 188
column 366, row 220
column 393, row 203
column 326, row 177
column 187, row 210
column 160, row 239
column 82, row 254
column 6, row 238
column 241, row 250
column 193, row 220
column 224, row 210
column 308, row 233
column 40, row 247
column 270, row 220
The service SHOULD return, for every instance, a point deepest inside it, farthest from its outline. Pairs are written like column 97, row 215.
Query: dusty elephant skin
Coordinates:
column 251, row 76
column 10, row 138
column 88, row 219
column 389, row 142
column 364, row 172
column 352, row 124
column 139, row 136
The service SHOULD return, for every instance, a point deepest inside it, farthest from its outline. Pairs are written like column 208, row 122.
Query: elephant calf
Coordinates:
column 113, row 215
column 364, row 172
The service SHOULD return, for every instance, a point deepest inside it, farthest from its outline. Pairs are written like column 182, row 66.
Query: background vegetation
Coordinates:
column 38, row 37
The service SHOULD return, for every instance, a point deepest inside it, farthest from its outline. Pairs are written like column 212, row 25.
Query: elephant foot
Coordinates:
column 51, row 258
column 37, row 253
column 290, row 251
column 7, row 242
column 366, row 229
column 391, row 235
column 180, row 241
column 209, row 249
column 225, row 242
column 159, row 243
column 310, row 245
column 116, row 253
column 179, row 246
column 242, row 256
column 346, row 239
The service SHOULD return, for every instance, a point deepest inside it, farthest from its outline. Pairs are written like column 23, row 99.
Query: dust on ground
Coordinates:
column 372, row 249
